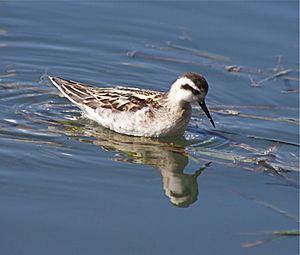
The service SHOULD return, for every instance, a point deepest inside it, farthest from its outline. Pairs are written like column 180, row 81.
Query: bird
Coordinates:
column 139, row 112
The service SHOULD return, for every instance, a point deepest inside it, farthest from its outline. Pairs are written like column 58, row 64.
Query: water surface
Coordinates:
column 69, row 186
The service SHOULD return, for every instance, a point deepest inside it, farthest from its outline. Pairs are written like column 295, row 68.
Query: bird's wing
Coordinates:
column 116, row 99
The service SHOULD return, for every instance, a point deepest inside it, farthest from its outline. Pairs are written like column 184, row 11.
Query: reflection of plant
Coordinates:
column 268, row 236
column 251, row 159
column 272, row 236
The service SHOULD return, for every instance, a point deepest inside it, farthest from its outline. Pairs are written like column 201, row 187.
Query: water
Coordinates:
column 69, row 186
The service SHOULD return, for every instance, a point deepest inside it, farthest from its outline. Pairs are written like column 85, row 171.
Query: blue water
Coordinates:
column 68, row 186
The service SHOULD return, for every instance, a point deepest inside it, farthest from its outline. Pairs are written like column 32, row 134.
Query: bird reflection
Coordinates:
column 164, row 155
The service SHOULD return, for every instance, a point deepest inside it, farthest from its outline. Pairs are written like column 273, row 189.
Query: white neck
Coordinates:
column 179, row 97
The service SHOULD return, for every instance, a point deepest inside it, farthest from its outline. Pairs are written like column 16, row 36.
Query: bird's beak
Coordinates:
column 204, row 108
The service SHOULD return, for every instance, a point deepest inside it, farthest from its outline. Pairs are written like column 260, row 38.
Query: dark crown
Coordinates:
column 198, row 79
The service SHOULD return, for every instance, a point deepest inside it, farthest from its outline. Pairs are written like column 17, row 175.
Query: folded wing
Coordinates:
column 115, row 99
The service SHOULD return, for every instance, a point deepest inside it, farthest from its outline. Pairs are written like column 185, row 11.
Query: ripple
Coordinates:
column 34, row 113
column 27, row 111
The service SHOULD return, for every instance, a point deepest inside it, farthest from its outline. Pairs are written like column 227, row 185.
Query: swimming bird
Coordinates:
column 140, row 112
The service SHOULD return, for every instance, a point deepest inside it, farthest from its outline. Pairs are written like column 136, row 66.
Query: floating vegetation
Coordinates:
column 273, row 76
column 204, row 54
column 233, row 68
column 252, row 159
column 267, row 205
column 262, row 76
column 137, row 54
column 273, row 140
column 255, row 163
column 269, row 236
column 282, row 74
column 244, row 155
column 258, row 117
column 286, row 233
column 287, row 91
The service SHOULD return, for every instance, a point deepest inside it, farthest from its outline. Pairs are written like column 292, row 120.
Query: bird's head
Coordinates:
column 188, row 88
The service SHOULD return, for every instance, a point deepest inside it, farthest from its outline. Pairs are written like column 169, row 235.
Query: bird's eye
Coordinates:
column 196, row 92
column 188, row 87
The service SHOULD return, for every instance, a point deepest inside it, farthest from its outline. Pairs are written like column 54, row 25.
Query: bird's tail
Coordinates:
column 74, row 91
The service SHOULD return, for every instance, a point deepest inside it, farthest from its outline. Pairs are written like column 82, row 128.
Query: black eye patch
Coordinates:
column 188, row 87
column 196, row 92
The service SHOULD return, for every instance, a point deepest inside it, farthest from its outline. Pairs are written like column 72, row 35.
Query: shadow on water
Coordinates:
column 168, row 156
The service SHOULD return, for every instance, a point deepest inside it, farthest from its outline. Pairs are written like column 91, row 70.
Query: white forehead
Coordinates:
column 184, row 80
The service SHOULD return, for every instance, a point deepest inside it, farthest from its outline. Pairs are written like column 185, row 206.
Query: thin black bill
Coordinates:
column 204, row 108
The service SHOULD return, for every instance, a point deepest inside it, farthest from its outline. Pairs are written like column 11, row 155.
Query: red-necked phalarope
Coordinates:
column 139, row 112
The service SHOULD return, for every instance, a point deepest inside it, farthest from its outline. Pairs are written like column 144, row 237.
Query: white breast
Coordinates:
column 142, row 122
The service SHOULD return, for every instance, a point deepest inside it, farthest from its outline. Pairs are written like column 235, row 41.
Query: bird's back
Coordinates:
column 119, row 99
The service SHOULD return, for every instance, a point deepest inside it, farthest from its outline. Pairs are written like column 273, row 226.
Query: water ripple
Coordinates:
column 34, row 113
